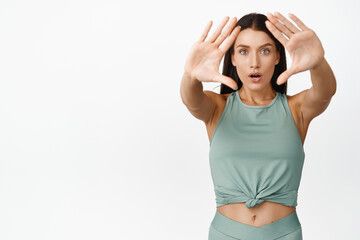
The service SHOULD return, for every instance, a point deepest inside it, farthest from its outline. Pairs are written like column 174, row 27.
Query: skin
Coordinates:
column 307, row 54
column 202, row 65
column 254, row 59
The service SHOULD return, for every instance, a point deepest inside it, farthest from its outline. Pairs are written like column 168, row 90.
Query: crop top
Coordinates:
column 256, row 153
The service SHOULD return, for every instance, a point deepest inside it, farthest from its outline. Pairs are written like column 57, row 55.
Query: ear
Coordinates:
column 278, row 58
column 232, row 59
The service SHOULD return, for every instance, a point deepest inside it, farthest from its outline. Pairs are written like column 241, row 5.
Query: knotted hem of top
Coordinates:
column 288, row 198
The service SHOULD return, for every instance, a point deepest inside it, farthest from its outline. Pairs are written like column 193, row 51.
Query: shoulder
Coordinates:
column 296, row 99
column 220, row 101
column 294, row 102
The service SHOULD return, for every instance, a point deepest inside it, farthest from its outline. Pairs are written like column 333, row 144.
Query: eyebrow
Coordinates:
column 266, row 44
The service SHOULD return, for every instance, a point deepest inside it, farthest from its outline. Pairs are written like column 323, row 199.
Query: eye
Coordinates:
column 267, row 50
column 241, row 51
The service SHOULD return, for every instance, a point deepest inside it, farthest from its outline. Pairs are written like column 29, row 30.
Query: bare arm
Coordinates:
column 199, row 103
column 318, row 97
column 202, row 65
column 307, row 52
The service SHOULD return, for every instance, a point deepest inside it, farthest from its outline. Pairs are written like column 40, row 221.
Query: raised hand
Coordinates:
column 303, row 45
column 204, row 58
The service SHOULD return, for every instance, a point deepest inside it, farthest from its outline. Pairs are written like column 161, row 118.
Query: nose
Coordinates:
column 254, row 61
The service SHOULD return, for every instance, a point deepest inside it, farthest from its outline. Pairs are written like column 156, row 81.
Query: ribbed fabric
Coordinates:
column 256, row 153
column 224, row 228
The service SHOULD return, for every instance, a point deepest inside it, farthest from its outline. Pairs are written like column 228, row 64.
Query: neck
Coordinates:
column 257, row 97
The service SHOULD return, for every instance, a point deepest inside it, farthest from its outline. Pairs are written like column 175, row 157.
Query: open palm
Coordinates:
column 303, row 45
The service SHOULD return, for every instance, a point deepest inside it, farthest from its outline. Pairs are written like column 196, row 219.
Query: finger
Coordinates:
column 230, row 40
column 224, row 34
column 298, row 22
column 276, row 33
column 284, row 76
column 281, row 27
column 287, row 23
column 227, row 81
column 206, row 31
column 218, row 30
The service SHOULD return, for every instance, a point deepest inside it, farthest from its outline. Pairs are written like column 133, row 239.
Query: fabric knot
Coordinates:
column 253, row 202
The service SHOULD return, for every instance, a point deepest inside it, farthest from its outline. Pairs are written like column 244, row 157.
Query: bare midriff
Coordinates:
column 263, row 214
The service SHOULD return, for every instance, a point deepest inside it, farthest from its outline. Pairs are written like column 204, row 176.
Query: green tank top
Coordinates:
column 256, row 153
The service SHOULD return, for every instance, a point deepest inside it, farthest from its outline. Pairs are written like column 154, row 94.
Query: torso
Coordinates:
column 267, row 212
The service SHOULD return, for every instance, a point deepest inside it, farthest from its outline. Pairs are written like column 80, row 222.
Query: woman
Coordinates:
column 256, row 131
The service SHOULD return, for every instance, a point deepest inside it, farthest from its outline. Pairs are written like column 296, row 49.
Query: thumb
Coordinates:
column 228, row 81
column 284, row 76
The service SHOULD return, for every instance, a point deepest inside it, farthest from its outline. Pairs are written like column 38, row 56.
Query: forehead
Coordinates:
column 253, row 38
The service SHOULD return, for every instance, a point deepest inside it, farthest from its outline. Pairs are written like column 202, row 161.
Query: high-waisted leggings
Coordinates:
column 224, row 228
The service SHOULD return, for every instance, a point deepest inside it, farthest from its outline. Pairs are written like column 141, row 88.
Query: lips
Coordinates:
column 256, row 79
column 255, row 76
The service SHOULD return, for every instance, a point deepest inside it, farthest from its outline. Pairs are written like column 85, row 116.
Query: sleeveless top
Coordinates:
column 256, row 153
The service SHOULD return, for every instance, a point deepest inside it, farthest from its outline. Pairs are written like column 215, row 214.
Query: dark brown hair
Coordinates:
column 255, row 21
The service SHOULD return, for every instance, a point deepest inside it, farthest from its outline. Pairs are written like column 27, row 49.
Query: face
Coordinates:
column 254, row 51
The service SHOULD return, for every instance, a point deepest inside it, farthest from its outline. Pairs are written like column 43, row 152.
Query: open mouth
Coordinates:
column 255, row 77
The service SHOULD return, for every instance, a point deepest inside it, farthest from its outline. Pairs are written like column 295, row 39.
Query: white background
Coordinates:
column 95, row 142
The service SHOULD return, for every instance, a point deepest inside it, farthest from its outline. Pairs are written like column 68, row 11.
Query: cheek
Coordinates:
column 241, row 70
